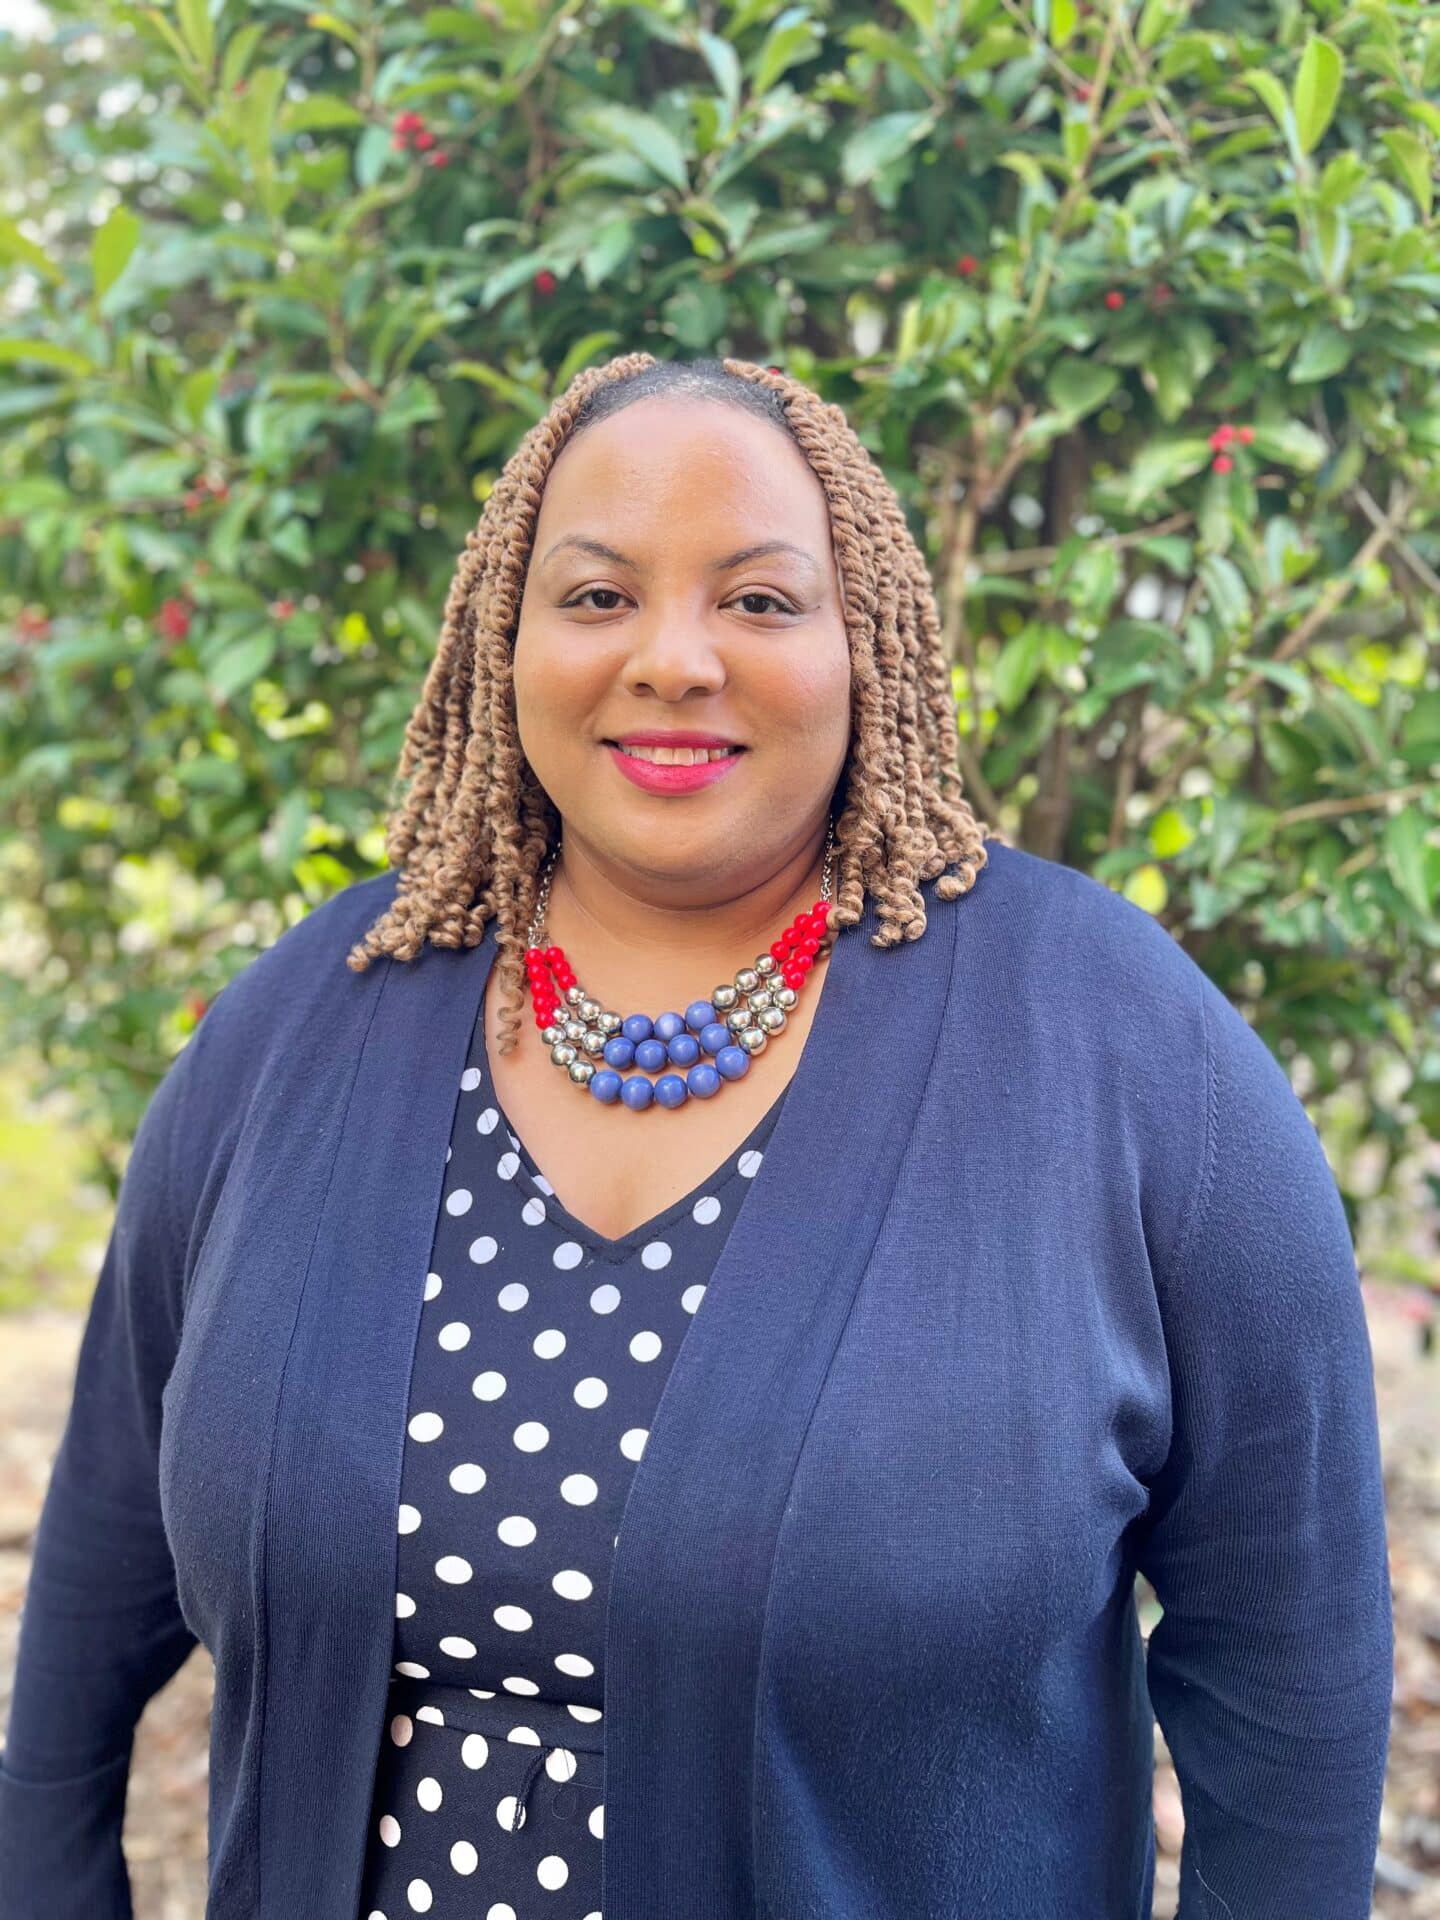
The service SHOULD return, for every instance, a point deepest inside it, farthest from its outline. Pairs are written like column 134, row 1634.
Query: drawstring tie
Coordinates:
column 520, row 1798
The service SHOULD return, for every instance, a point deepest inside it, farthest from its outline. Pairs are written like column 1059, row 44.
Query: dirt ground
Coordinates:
column 165, row 1817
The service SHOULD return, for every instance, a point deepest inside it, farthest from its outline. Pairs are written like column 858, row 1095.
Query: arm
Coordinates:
column 1271, row 1670
column 101, row 1630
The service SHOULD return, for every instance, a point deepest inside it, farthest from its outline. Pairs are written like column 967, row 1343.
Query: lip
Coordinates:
column 679, row 737
column 654, row 778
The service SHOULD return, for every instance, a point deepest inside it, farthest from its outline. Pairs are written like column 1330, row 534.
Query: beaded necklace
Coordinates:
column 733, row 1025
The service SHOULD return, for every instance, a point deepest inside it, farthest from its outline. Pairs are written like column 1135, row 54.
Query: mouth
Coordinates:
column 674, row 756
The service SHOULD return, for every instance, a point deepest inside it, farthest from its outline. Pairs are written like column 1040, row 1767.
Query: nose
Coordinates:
column 672, row 656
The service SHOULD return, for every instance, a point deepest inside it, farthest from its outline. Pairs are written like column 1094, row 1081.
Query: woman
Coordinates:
column 733, row 1513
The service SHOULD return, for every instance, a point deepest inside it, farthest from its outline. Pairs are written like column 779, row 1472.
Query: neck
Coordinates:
column 627, row 945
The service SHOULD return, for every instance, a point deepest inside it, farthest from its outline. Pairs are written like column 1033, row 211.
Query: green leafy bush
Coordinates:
column 1136, row 304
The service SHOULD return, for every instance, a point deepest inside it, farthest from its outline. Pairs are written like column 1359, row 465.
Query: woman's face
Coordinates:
column 652, row 605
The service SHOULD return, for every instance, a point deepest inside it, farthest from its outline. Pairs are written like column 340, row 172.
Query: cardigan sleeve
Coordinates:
column 101, row 1629
column 1271, row 1669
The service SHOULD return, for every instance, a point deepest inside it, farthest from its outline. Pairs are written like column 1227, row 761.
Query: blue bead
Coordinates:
column 715, row 1036
column 619, row 1051
column 667, row 1025
column 651, row 1055
column 699, row 1013
column 733, row 1062
column 637, row 1092
column 605, row 1085
column 637, row 1026
column 684, row 1050
column 702, row 1080
column 670, row 1090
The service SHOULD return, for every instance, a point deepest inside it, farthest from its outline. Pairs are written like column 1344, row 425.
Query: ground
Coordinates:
column 165, row 1815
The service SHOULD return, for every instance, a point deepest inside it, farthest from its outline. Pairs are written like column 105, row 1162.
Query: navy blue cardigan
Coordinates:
column 1045, row 1278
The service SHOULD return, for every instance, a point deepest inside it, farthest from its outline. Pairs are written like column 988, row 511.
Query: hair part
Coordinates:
column 473, row 829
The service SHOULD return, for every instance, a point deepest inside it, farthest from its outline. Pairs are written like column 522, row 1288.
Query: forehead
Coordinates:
column 671, row 464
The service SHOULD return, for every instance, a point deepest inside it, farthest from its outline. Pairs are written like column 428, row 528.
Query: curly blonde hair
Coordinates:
column 474, row 828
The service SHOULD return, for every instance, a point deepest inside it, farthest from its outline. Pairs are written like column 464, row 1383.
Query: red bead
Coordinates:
column 803, row 962
column 820, row 909
column 779, row 950
column 793, row 976
column 790, row 935
column 555, row 955
column 809, row 946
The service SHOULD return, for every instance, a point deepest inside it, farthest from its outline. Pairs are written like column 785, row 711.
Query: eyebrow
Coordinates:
column 600, row 550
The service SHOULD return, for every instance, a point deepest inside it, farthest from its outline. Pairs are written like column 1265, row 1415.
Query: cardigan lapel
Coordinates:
column 700, row 1524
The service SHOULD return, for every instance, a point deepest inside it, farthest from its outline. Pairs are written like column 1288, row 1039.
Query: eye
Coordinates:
column 778, row 604
column 759, row 593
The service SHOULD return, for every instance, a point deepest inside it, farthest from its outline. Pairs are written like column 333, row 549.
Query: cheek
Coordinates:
column 809, row 692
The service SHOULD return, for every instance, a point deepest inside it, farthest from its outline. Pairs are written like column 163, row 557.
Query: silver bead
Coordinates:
column 590, row 1010
column 574, row 995
column 764, row 964
column 594, row 1041
column 746, row 980
column 551, row 1034
column 562, row 1054
column 609, row 1024
column 738, row 1019
column 760, row 999
column 784, row 997
column 753, row 1039
column 581, row 1072
column 723, row 998
column 772, row 1020
column 574, row 1029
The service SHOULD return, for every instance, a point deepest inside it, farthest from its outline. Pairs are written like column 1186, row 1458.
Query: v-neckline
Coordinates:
column 536, row 1184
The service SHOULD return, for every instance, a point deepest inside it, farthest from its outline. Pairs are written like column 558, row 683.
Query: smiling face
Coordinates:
column 683, row 579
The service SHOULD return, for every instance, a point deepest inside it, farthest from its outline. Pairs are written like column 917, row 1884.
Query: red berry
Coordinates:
column 425, row 140
column 438, row 159
column 399, row 142
column 1114, row 299
column 1223, row 463
column 174, row 619
column 1224, row 434
column 966, row 264
column 1247, row 434
column 545, row 281
column 1163, row 291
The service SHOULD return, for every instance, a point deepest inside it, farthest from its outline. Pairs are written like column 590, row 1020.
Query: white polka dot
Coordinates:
column 587, row 1714
column 409, row 1518
column 533, row 1212
column 531, row 1435
column 571, row 1584
column 508, row 1165
column 568, row 1254
column 749, row 1163
column 488, row 1385
column 429, row 1793
column 575, row 1663
column 454, row 1336
column 645, row 1346
column 404, row 1607
column 453, row 1569
column 691, row 1297
column 483, row 1249
column 402, row 1730
column 467, row 1478
column 389, row 1830
column 513, row 1619
column 597, row 1822
column 432, row 1714
column 579, row 1489
column 524, row 1736
column 458, row 1647
column 549, row 1344
column 475, row 1750
column 543, row 1184
column 591, row 1392
column 605, row 1299
column 632, row 1443
column 487, row 1121
column 655, row 1254
column 470, row 1079
column 561, row 1764
column 460, row 1201
column 412, row 1669
column 463, row 1857
column 426, row 1426
column 507, row 1815
column 515, row 1530
column 419, row 1895
column 705, row 1211
column 502, row 1910
column 552, row 1872
column 512, row 1296
column 433, row 1284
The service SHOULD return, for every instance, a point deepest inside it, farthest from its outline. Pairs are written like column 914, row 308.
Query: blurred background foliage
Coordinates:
column 1138, row 305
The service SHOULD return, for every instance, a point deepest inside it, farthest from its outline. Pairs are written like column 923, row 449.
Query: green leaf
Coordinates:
column 1163, row 464
column 14, row 245
column 199, row 33
column 1325, row 351
column 1290, row 442
column 879, row 142
column 1229, row 597
column 1317, row 89
column 319, row 113
column 1412, row 157
column 47, row 352
column 794, row 37
column 1078, row 387
column 241, row 662
column 1273, row 95
column 641, row 136
column 1017, row 666
column 724, row 65
column 112, row 247
column 1405, row 857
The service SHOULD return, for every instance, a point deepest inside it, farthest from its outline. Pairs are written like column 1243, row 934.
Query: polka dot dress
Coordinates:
column 543, row 1348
